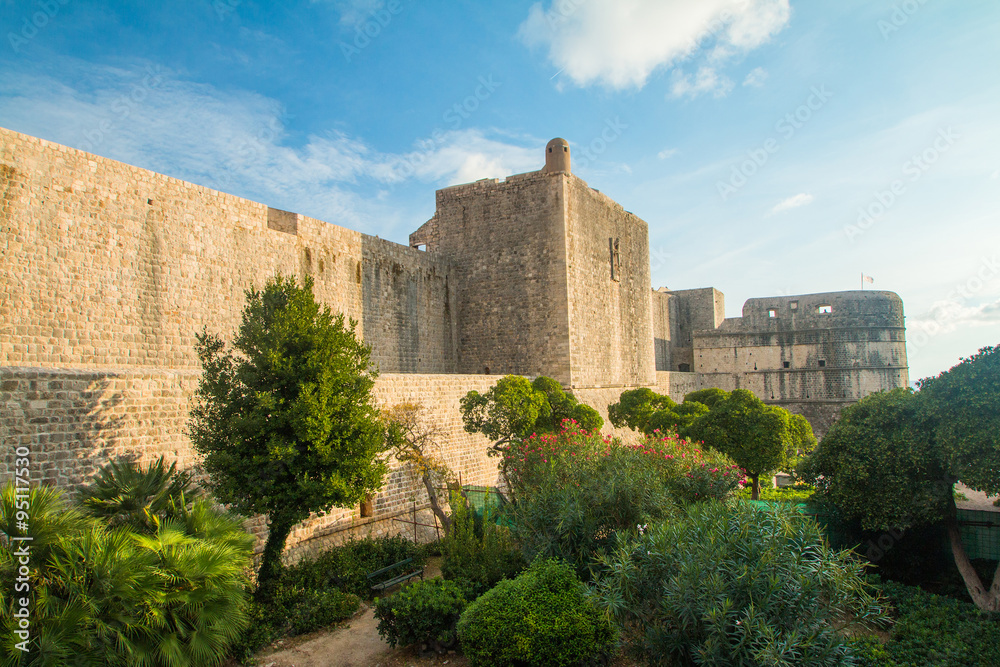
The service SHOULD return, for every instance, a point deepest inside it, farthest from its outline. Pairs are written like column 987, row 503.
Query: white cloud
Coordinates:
column 706, row 81
column 235, row 141
column 620, row 43
column 995, row 175
column 354, row 12
column 756, row 77
column 947, row 316
column 801, row 199
column 667, row 153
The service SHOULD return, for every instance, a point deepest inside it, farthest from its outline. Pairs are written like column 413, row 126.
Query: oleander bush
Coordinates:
column 425, row 612
column 576, row 492
column 542, row 618
column 737, row 584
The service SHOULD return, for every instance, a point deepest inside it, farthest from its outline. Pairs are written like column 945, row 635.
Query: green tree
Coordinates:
column 756, row 436
column 635, row 408
column 514, row 408
column 646, row 411
column 708, row 397
column 287, row 426
column 891, row 461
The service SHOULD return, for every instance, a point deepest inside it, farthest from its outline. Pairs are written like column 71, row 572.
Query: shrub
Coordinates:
column 306, row 610
column 346, row 567
column 737, row 585
column 111, row 596
column 795, row 494
column 580, row 512
column 936, row 631
column 542, row 618
column 576, row 491
column 478, row 553
column 425, row 612
column 692, row 473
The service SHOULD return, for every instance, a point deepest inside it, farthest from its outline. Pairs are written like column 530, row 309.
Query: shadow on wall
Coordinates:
column 73, row 422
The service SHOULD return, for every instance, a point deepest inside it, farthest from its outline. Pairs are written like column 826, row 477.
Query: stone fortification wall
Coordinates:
column 813, row 354
column 678, row 314
column 409, row 299
column 610, row 321
column 108, row 265
column 72, row 421
column 506, row 241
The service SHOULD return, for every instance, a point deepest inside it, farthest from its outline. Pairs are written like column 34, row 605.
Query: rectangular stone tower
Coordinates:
column 553, row 278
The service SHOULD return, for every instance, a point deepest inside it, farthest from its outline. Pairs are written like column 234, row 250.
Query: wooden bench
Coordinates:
column 385, row 578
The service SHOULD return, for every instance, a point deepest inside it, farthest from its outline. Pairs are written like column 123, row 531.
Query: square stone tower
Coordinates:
column 552, row 277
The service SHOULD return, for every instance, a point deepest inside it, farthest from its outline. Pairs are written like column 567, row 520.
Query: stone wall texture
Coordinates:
column 610, row 321
column 109, row 271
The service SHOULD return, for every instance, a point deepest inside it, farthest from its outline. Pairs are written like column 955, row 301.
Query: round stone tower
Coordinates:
column 557, row 156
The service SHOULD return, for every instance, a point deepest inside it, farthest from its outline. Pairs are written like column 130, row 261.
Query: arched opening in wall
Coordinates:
column 486, row 370
column 684, row 368
column 420, row 246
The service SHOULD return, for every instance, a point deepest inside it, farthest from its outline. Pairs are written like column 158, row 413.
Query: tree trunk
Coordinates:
column 436, row 504
column 270, row 563
column 755, row 489
column 987, row 600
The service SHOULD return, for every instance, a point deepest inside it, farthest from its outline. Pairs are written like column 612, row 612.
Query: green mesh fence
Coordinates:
column 980, row 530
column 980, row 533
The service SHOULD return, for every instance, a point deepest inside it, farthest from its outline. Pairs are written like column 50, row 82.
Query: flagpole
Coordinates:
column 862, row 281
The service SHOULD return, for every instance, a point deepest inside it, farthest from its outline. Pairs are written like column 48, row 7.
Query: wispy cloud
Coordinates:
column 946, row 316
column 667, row 153
column 801, row 199
column 707, row 80
column 620, row 43
column 235, row 141
column 756, row 77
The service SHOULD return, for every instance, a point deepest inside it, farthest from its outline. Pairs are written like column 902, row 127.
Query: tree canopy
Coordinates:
column 892, row 459
column 285, row 420
column 755, row 435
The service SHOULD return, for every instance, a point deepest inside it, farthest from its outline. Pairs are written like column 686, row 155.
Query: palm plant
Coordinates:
column 123, row 493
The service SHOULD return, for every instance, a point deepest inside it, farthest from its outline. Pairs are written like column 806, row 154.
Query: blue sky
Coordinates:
column 773, row 146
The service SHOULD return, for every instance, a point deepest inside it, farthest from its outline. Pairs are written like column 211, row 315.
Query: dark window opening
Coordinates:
column 486, row 371
column 616, row 258
column 684, row 368
column 822, row 363
column 786, row 364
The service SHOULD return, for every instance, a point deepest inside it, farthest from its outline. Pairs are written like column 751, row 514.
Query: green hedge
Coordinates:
column 542, row 618
column 424, row 612
column 933, row 631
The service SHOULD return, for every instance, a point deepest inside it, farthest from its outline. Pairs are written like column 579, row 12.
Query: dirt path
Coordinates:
column 356, row 644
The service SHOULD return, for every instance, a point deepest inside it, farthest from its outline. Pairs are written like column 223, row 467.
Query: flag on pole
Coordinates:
column 867, row 279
